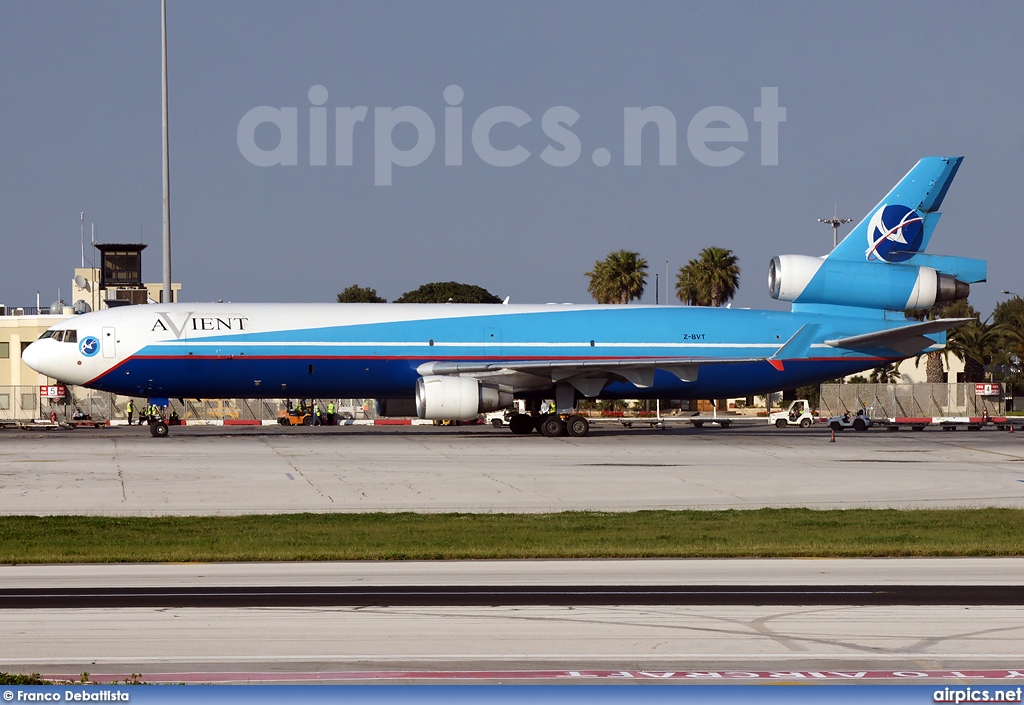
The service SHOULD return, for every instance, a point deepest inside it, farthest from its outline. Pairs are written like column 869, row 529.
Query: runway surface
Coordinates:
column 485, row 596
column 123, row 471
column 520, row 642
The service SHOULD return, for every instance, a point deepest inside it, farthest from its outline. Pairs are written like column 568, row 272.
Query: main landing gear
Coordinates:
column 550, row 425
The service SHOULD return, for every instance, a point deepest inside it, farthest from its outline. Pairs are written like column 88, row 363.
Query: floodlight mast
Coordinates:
column 835, row 223
column 167, row 298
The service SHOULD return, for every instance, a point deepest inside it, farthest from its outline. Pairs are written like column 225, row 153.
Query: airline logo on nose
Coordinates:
column 894, row 234
column 89, row 346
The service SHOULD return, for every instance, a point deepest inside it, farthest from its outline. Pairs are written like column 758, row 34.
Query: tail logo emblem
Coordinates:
column 895, row 234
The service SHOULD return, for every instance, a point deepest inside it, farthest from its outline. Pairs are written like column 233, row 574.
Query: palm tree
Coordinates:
column 886, row 374
column 710, row 280
column 933, row 360
column 976, row 343
column 619, row 278
column 687, row 287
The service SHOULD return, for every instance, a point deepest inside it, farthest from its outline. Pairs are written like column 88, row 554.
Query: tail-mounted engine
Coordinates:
column 882, row 285
column 443, row 397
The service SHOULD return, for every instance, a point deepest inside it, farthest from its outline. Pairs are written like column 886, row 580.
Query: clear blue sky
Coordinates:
column 868, row 88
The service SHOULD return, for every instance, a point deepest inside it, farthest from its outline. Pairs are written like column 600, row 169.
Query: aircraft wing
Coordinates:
column 907, row 340
column 588, row 376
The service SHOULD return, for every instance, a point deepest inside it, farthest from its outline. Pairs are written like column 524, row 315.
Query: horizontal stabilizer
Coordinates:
column 906, row 340
column 965, row 269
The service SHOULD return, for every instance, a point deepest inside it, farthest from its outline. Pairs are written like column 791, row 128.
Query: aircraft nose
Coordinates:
column 32, row 356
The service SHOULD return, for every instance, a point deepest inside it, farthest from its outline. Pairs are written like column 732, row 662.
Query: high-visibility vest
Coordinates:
column 130, row 409
column 330, row 409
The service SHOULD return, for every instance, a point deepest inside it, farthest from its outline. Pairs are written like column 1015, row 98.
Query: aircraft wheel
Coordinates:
column 836, row 426
column 158, row 430
column 552, row 426
column 577, row 426
column 284, row 421
column 859, row 425
column 805, row 423
column 521, row 424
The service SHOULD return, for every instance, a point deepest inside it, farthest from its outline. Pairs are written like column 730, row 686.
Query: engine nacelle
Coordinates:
column 442, row 397
column 882, row 285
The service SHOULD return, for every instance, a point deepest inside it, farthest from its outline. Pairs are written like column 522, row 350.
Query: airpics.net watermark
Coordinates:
column 711, row 135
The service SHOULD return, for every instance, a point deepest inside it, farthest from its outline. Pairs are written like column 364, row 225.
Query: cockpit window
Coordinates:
column 71, row 336
column 47, row 334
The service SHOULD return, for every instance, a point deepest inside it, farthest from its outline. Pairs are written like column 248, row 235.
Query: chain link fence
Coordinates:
column 23, row 404
column 909, row 400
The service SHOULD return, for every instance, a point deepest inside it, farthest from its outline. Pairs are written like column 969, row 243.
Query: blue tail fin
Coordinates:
column 901, row 225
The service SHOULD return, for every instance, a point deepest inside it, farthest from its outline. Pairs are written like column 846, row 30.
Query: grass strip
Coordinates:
column 410, row 536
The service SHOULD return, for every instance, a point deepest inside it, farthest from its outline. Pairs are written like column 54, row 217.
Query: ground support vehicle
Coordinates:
column 858, row 422
column 84, row 423
column 498, row 418
column 701, row 421
column 798, row 414
column 291, row 417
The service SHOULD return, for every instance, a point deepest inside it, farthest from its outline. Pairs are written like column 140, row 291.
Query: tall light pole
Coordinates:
column 835, row 223
column 167, row 172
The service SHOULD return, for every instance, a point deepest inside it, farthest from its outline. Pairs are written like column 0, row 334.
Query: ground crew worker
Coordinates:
column 330, row 413
column 131, row 410
column 317, row 421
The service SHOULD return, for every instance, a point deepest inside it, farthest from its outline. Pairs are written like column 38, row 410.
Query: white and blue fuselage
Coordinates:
column 377, row 350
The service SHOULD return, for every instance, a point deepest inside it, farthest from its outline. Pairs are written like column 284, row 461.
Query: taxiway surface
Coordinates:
column 124, row 471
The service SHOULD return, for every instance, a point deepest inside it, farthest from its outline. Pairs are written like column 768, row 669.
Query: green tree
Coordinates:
column 978, row 344
column 619, row 278
column 886, row 374
column 356, row 294
column 687, row 286
column 448, row 292
column 934, row 369
column 1010, row 315
column 710, row 280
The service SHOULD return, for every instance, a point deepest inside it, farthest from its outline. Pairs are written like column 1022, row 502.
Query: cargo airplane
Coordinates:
column 457, row 361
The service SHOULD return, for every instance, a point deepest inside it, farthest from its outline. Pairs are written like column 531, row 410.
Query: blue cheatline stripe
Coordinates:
column 396, row 377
